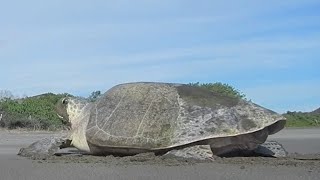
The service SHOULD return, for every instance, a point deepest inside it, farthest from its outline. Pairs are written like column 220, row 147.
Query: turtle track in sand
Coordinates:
column 311, row 161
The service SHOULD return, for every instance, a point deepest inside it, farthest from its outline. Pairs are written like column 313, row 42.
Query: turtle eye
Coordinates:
column 64, row 101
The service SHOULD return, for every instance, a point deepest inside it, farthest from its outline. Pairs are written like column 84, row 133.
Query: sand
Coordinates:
column 303, row 162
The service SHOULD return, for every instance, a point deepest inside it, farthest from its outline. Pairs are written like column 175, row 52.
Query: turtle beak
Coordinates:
column 64, row 120
column 60, row 116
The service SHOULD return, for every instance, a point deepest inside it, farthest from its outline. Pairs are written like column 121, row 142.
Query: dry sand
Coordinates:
column 305, row 164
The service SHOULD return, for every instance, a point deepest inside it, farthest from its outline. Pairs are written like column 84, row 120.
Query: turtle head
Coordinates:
column 69, row 109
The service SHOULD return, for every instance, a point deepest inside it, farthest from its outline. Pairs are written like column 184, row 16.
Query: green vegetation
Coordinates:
column 36, row 112
column 221, row 88
column 299, row 119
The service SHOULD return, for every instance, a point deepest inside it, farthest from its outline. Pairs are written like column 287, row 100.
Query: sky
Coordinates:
column 269, row 50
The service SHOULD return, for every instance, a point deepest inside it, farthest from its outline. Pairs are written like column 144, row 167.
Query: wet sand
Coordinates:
column 147, row 166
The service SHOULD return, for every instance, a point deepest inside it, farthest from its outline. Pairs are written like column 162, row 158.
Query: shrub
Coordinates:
column 299, row 119
column 36, row 112
column 221, row 88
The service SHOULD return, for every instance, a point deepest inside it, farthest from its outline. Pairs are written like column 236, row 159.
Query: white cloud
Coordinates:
column 225, row 58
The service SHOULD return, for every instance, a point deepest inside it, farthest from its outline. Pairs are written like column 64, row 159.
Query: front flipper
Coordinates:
column 45, row 147
column 198, row 152
column 271, row 149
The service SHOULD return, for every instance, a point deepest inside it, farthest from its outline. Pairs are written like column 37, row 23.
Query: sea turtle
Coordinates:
column 166, row 118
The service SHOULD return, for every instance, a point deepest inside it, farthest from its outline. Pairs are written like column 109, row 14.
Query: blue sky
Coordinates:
column 270, row 50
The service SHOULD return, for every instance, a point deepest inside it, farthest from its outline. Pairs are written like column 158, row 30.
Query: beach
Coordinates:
column 303, row 162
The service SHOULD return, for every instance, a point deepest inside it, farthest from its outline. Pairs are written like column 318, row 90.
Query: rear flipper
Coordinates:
column 198, row 152
column 271, row 149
